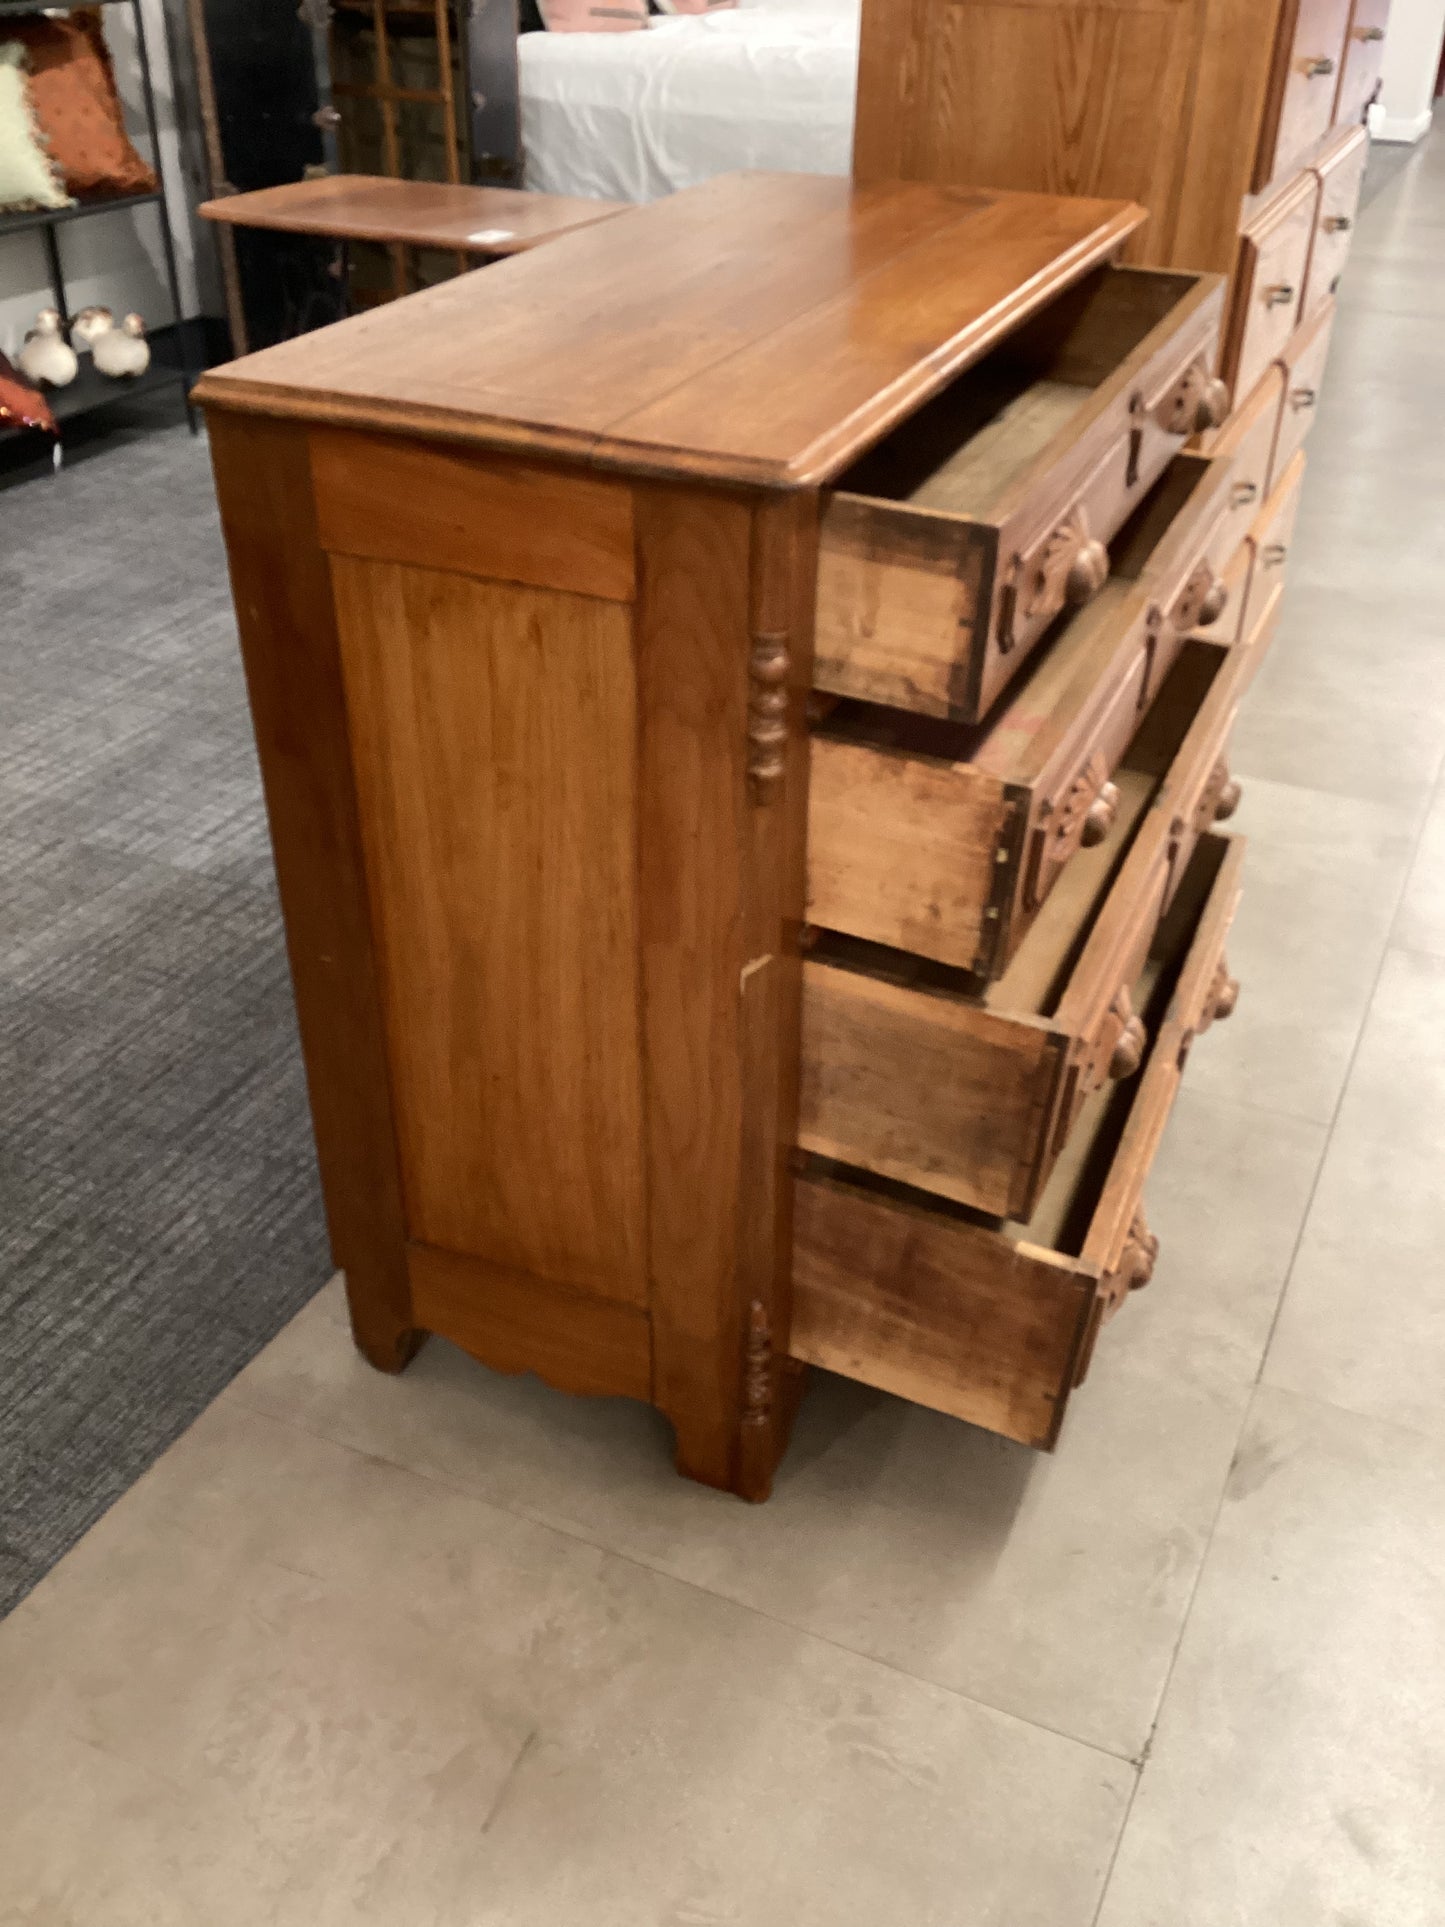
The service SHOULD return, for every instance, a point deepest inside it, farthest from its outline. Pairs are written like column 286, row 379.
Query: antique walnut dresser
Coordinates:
column 742, row 694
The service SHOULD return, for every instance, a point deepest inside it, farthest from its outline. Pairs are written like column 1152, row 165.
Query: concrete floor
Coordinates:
column 454, row 1650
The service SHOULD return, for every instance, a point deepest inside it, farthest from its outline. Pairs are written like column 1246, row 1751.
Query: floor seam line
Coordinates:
column 693, row 1585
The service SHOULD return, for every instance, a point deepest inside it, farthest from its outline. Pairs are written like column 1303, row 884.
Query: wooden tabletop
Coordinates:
column 424, row 214
column 761, row 328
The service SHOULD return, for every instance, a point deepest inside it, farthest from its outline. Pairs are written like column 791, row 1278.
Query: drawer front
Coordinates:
column 1273, row 534
column 967, row 1319
column 1304, row 371
column 950, row 855
column 1364, row 52
column 1303, row 94
column 1341, row 176
column 1274, row 259
column 927, row 610
column 1247, row 444
column 975, row 1101
column 930, row 1091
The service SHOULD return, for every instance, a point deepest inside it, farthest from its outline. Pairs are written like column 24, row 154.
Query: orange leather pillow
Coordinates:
column 22, row 406
column 72, row 90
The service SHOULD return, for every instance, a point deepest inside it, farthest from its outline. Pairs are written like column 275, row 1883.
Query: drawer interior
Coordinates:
column 1051, row 682
column 967, row 451
column 1039, row 972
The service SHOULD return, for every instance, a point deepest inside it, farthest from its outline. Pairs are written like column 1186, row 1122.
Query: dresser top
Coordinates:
column 761, row 328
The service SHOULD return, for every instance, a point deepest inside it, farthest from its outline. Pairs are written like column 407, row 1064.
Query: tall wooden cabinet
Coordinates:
column 1237, row 124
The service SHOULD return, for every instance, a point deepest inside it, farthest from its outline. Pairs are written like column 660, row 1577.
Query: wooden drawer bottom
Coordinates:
column 996, row 1322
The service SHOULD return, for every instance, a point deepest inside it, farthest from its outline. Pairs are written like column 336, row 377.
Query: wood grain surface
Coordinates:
column 801, row 319
column 452, row 508
column 494, row 735
column 425, row 214
column 1156, row 100
column 292, row 657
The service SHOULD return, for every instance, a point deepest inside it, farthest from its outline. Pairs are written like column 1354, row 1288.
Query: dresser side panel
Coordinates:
column 494, row 732
column 289, row 646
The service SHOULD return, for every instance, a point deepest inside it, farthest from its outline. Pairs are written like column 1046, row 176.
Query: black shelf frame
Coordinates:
column 90, row 391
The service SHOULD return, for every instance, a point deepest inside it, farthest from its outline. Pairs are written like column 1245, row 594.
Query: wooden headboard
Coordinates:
column 1153, row 101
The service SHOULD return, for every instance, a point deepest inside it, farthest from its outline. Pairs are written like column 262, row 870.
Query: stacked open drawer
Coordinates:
column 1033, row 634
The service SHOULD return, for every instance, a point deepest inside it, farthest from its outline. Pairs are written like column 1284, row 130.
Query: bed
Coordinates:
column 631, row 116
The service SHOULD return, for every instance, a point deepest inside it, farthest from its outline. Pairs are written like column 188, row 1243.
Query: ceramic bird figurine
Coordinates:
column 47, row 356
column 88, row 325
column 123, row 351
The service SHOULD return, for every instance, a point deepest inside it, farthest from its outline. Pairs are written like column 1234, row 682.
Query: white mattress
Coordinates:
column 631, row 116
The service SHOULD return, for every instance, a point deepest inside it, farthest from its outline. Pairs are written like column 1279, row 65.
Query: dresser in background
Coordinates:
column 1236, row 123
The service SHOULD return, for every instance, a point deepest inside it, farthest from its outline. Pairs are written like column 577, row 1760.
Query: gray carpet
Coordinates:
column 159, row 1213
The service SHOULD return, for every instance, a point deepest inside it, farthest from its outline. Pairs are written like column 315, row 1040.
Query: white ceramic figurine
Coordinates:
column 47, row 356
column 123, row 351
column 88, row 325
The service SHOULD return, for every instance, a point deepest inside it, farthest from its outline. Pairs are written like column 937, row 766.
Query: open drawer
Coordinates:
column 946, row 838
column 949, row 549
column 911, row 1072
column 995, row 1322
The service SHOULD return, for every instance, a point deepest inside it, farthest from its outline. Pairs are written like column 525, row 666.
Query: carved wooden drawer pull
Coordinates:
column 1088, row 572
column 1319, row 69
column 1141, row 1254
column 1337, row 224
column 1197, row 401
column 1101, row 814
column 1224, row 994
column 1370, row 33
column 1128, row 1052
column 1203, row 601
column 1228, row 796
column 1279, row 295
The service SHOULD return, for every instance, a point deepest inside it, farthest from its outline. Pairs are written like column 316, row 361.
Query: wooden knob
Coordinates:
column 1088, row 572
column 1212, row 607
column 1100, row 819
column 1213, row 406
column 1226, row 995
column 1141, row 1254
column 1228, row 800
column 1128, row 1053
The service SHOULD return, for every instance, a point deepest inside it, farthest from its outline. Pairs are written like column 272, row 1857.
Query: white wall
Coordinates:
column 116, row 259
column 1412, row 58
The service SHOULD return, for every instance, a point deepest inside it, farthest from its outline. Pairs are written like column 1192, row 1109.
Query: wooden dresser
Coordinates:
column 743, row 696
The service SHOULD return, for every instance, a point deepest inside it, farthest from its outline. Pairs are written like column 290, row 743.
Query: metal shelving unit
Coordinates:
column 90, row 391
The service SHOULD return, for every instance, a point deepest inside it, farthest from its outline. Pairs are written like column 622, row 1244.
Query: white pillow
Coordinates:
column 28, row 177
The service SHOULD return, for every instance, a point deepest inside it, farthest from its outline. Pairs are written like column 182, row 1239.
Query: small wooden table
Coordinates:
column 487, row 222
column 420, row 214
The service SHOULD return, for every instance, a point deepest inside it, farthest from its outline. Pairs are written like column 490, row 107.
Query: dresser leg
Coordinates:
column 380, row 1336
column 744, row 1456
